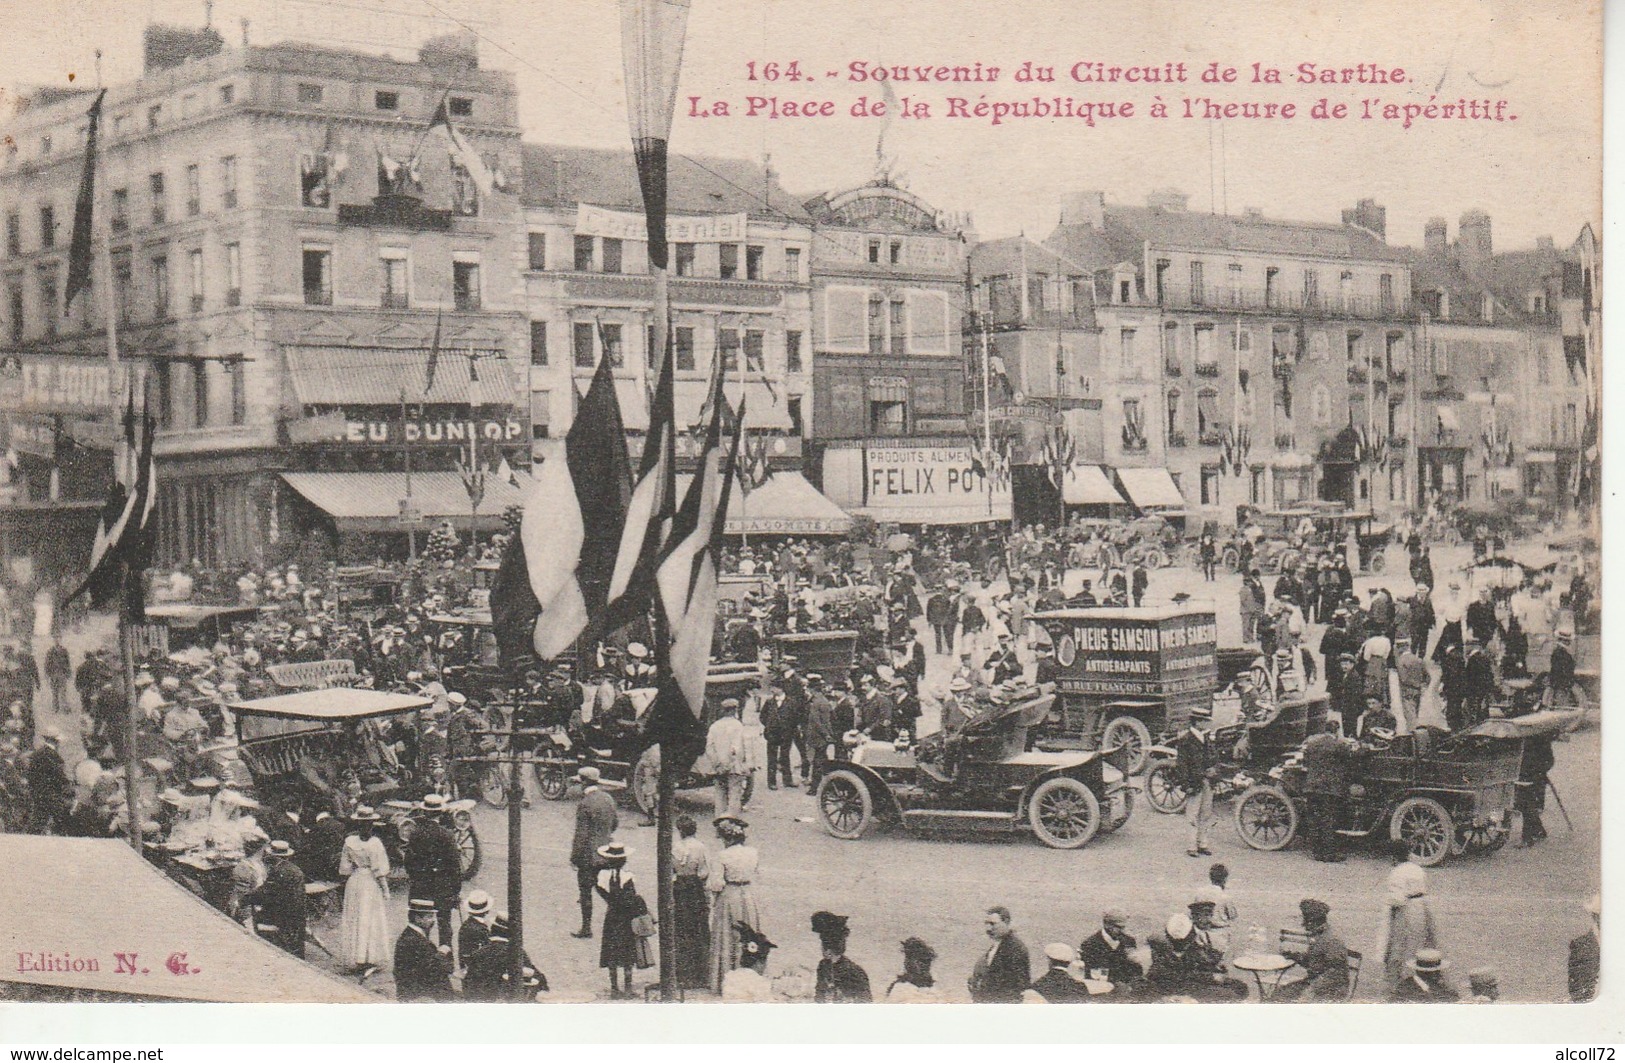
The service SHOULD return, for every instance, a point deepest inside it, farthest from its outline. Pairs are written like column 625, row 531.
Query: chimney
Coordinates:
column 1252, row 214
column 1085, row 208
column 1370, row 216
column 1473, row 237
column 1436, row 238
column 171, row 46
column 1169, row 199
column 1545, row 243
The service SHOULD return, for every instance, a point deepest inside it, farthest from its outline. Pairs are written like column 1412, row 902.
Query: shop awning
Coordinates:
column 1448, row 420
column 371, row 501
column 380, row 376
column 1087, row 485
column 785, row 505
column 1151, row 488
column 87, row 898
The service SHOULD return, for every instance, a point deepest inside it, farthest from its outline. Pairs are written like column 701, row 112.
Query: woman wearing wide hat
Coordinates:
column 364, row 940
column 732, row 872
column 618, row 947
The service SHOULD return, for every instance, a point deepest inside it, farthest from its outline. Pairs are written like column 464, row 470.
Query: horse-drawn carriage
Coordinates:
column 1451, row 798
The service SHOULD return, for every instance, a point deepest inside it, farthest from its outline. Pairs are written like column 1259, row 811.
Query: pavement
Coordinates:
column 1514, row 910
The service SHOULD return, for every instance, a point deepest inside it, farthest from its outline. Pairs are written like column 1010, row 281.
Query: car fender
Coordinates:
column 884, row 803
column 1161, row 753
column 1080, row 772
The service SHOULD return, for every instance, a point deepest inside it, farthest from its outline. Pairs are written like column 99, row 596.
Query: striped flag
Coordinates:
column 686, row 590
column 466, row 156
column 83, row 209
column 560, row 563
column 123, row 544
column 649, row 514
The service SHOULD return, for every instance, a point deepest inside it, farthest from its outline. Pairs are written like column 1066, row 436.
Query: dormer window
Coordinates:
column 1486, row 309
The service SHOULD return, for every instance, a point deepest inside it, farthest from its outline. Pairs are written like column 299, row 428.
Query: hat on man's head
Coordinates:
column 614, row 851
column 637, row 651
column 1429, row 961
column 364, row 814
column 477, row 903
column 420, row 906
column 1483, row 978
column 1314, row 911
column 1115, row 916
column 280, row 848
column 588, row 774
column 1060, row 953
column 433, row 803
column 1179, row 927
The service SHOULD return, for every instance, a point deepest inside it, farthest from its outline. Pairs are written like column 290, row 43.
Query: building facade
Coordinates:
column 739, row 292
column 284, row 224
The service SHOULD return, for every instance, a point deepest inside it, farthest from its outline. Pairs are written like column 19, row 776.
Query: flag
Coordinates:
column 505, row 471
column 472, row 472
column 999, row 375
column 649, row 513
column 83, row 209
column 434, row 357
column 686, row 590
column 569, row 534
column 122, row 548
column 652, row 36
column 754, row 469
column 466, row 156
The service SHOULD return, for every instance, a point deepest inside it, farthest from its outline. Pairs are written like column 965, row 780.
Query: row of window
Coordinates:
column 316, row 268
column 591, row 341
column 314, row 94
column 157, row 202
column 186, row 394
column 157, row 269
column 191, row 104
column 1201, row 292
column 607, row 254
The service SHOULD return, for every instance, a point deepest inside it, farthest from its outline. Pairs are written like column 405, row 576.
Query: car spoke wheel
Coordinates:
column 844, row 805
column 1162, row 788
column 646, row 781
column 1132, row 739
column 468, row 844
column 494, row 785
column 1266, row 818
column 1156, row 559
column 1064, row 813
column 1425, row 827
column 552, row 782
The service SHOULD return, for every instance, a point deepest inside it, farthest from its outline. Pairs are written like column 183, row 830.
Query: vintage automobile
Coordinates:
column 1247, row 750
column 623, row 752
column 1455, row 798
column 979, row 777
column 1129, row 675
column 465, row 649
column 283, row 742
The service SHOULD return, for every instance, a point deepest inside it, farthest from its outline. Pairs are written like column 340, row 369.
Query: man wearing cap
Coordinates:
column 1004, row 970
column 1426, row 984
column 939, row 613
column 422, row 968
column 596, row 820
column 1324, row 958
column 840, row 981
column 1105, row 953
column 878, row 710
column 281, row 900
column 1056, row 985
column 725, row 749
column 434, row 864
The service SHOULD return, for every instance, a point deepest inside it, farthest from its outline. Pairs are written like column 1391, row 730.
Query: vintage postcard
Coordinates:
column 759, row 502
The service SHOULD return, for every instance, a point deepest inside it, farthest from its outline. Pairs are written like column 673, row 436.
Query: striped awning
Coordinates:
column 1087, row 485
column 1151, row 488
column 377, row 376
column 371, row 501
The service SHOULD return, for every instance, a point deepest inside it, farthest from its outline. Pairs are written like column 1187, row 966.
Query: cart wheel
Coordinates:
column 1473, row 839
column 844, row 805
column 1266, row 818
column 1425, row 827
column 1156, row 559
column 1064, row 813
column 645, row 784
column 1162, row 788
column 494, row 785
column 552, row 782
column 1378, row 564
column 1132, row 737
column 1231, row 558
column 468, row 843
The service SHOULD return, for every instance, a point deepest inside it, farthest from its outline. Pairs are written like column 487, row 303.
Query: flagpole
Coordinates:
column 406, row 459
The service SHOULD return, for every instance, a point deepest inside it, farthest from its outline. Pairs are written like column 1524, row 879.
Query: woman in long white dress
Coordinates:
column 364, row 865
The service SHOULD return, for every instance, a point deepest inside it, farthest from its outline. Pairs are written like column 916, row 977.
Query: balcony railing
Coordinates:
column 1177, row 439
column 1286, row 441
column 1212, row 437
column 1135, row 446
column 393, row 301
column 1172, row 369
column 1271, row 301
column 1209, row 369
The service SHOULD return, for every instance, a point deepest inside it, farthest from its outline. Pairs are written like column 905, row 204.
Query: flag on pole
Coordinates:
column 560, row 563
column 649, row 514
column 652, row 36
column 466, row 156
column 123, row 545
column 434, row 357
column 83, row 209
column 686, row 592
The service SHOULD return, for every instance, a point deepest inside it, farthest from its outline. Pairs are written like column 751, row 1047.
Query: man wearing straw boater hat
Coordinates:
column 434, row 864
column 281, row 900
column 1427, row 984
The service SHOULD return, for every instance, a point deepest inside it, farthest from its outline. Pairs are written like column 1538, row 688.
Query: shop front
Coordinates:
column 914, row 483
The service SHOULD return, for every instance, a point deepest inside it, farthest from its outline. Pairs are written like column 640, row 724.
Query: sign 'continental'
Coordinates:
column 624, row 225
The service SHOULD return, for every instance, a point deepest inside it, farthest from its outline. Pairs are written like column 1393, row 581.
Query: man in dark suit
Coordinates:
column 939, row 613
column 1181, row 966
column 434, row 865
column 818, row 733
column 1004, row 970
column 422, row 968
column 475, row 931
column 49, row 785
column 1056, row 985
column 281, row 900
column 1585, row 956
column 778, row 727
column 485, row 981
column 1327, row 760
column 1107, row 949
column 1481, row 621
column 1325, row 959
column 595, row 825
